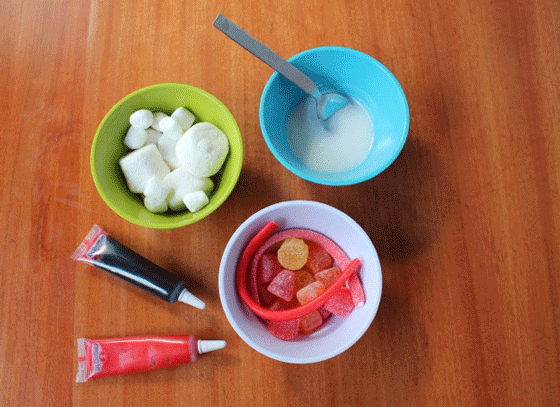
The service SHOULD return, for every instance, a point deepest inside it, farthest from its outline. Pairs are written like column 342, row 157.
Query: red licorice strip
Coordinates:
column 282, row 315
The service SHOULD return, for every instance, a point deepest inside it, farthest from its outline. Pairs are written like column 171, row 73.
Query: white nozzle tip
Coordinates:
column 209, row 346
column 189, row 298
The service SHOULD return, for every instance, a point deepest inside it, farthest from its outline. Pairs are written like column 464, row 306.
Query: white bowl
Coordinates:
column 339, row 333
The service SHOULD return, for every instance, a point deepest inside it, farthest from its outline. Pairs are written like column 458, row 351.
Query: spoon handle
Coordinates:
column 266, row 55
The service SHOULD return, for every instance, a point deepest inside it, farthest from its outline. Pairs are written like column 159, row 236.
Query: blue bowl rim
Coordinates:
column 322, row 181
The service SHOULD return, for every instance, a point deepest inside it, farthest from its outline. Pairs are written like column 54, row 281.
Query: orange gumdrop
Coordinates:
column 293, row 253
column 303, row 277
column 328, row 276
column 310, row 292
column 310, row 322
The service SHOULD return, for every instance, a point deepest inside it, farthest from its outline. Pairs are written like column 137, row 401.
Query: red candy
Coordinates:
column 269, row 267
column 310, row 292
column 285, row 330
column 283, row 285
column 341, row 303
column 328, row 276
column 357, row 291
column 302, row 279
column 318, row 258
column 310, row 322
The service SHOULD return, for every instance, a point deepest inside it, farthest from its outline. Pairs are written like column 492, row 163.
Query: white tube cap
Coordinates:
column 189, row 298
column 209, row 346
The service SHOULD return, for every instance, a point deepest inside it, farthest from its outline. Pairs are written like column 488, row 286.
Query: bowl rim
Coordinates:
column 180, row 222
column 322, row 181
column 374, row 301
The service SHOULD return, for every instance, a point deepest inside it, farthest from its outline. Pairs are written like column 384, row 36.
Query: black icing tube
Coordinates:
column 102, row 251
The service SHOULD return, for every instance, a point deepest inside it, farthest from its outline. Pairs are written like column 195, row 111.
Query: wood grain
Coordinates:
column 465, row 221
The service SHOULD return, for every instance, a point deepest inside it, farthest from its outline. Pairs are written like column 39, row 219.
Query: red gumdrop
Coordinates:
column 285, row 330
column 269, row 267
column 283, row 285
column 324, row 313
column 341, row 303
column 318, row 258
column 310, row 322
column 266, row 298
column 328, row 276
column 357, row 290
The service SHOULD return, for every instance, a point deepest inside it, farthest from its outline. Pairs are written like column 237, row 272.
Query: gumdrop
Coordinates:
column 341, row 303
column 318, row 258
column 285, row 330
column 283, row 285
column 357, row 291
column 310, row 292
column 303, row 277
column 328, row 276
column 269, row 267
column 266, row 298
column 324, row 313
column 310, row 322
column 293, row 253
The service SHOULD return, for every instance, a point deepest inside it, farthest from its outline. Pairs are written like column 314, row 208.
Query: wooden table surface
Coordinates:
column 465, row 221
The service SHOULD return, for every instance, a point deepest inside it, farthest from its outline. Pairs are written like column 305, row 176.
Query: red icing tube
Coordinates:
column 108, row 357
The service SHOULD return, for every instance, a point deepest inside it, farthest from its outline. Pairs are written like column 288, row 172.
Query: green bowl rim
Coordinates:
column 182, row 222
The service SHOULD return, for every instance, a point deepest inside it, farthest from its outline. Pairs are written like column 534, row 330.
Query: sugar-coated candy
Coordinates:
column 340, row 303
column 283, row 285
column 303, row 278
column 135, row 138
column 153, row 136
column 184, row 118
column 324, row 313
column 268, row 267
column 166, row 146
column 158, row 116
column 170, row 127
column 293, row 253
column 310, row 292
column 285, row 330
column 203, row 149
column 141, row 119
column 266, row 298
column 195, row 200
column 328, row 276
column 155, row 205
column 318, row 258
column 140, row 165
column 310, row 322
column 357, row 290
column 182, row 182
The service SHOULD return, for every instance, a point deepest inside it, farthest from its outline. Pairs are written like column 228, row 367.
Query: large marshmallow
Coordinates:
column 135, row 138
column 155, row 195
column 170, row 127
column 203, row 149
column 181, row 182
column 153, row 136
column 166, row 146
column 184, row 118
column 157, row 119
column 141, row 119
column 142, row 164
column 195, row 200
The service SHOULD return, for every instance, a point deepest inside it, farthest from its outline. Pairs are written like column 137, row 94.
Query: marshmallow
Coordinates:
column 141, row 119
column 157, row 119
column 153, row 136
column 181, row 182
column 203, row 149
column 166, row 146
column 135, row 138
column 170, row 127
column 142, row 164
column 155, row 195
column 184, row 118
column 195, row 200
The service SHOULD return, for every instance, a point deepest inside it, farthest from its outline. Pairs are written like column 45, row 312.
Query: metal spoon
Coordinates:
column 327, row 103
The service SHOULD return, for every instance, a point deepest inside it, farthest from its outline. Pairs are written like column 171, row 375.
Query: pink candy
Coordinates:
column 283, row 285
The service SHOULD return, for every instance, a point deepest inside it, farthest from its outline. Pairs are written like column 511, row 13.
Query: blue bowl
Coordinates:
column 351, row 73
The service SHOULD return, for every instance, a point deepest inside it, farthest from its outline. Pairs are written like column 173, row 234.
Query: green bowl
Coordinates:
column 108, row 148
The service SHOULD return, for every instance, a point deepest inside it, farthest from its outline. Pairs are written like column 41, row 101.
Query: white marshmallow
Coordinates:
column 155, row 195
column 135, row 138
column 182, row 182
column 195, row 200
column 170, row 127
column 184, row 118
column 142, row 164
column 153, row 136
column 142, row 119
column 166, row 146
column 157, row 119
column 202, row 149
